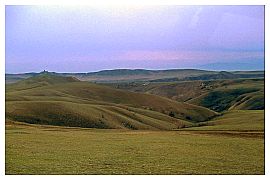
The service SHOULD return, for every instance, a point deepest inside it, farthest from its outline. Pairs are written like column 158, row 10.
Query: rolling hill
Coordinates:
column 66, row 101
column 218, row 95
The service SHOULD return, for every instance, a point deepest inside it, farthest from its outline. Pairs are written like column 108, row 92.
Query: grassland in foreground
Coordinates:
column 37, row 149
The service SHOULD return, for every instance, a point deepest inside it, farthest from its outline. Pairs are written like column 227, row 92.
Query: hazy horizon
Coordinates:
column 90, row 39
column 130, row 69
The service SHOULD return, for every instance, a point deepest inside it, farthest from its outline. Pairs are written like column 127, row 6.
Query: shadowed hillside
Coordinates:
column 239, row 94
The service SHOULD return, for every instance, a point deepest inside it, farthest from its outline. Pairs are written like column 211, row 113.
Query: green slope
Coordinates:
column 253, row 101
column 236, row 120
column 240, row 94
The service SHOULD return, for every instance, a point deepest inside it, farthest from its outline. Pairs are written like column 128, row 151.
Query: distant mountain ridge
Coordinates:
column 252, row 64
column 125, row 75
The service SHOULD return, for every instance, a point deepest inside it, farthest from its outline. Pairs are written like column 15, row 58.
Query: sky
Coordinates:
column 87, row 38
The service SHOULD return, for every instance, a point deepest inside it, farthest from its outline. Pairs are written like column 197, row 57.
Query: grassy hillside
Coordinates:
column 39, row 81
column 240, row 94
column 36, row 149
column 253, row 100
column 66, row 101
column 91, row 116
column 179, row 91
column 236, row 120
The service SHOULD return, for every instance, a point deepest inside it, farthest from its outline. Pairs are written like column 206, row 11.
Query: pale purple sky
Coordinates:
column 85, row 39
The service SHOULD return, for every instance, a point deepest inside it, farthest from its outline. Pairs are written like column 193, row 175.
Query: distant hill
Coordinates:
column 220, row 75
column 122, row 72
column 127, row 75
column 142, row 75
column 215, row 76
column 252, row 64
column 55, row 100
column 41, row 80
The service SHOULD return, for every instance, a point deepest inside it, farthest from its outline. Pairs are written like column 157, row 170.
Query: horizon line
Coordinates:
column 29, row 72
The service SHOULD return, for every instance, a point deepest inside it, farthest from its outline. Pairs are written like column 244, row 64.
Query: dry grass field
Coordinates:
column 39, row 149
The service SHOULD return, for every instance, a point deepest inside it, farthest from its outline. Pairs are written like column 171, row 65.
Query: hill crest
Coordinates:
column 49, row 78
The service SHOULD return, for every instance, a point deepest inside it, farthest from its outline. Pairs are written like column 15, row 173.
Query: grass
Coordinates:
column 36, row 149
column 236, row 120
